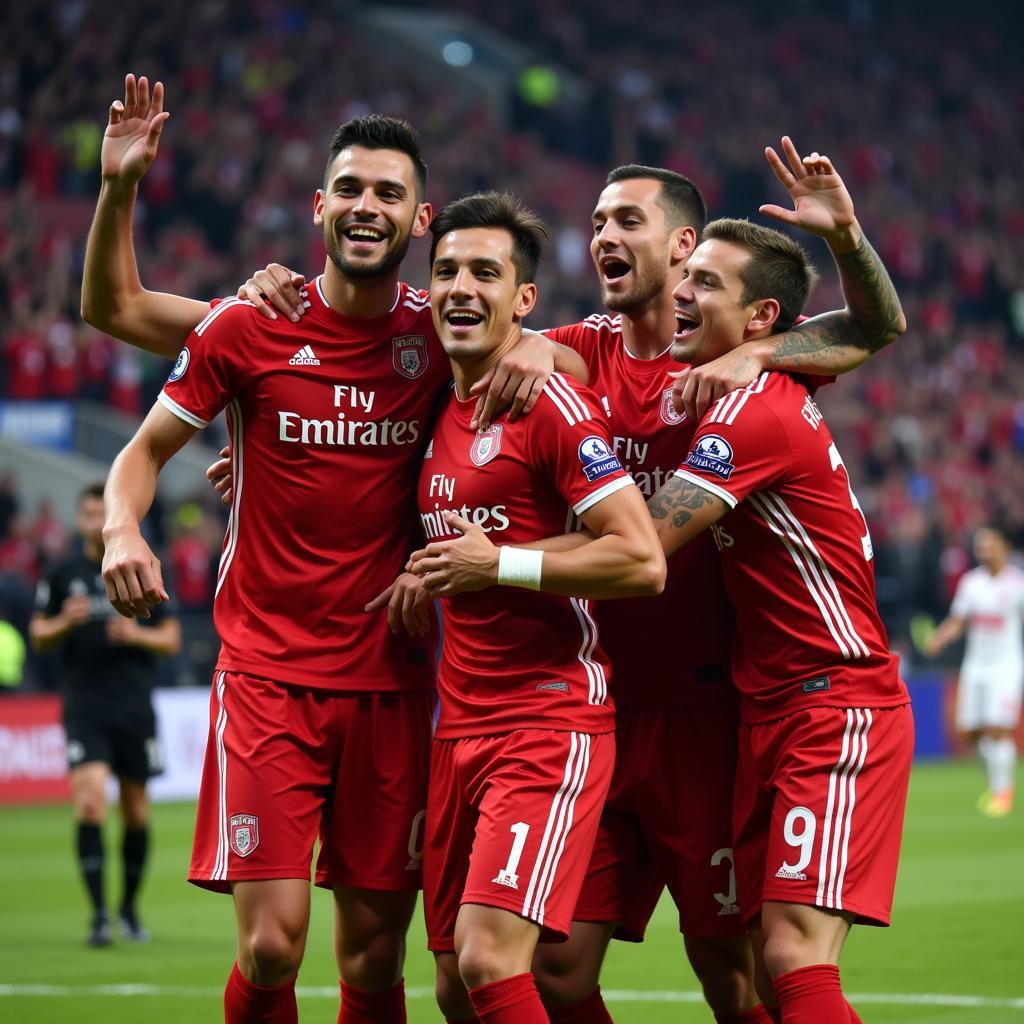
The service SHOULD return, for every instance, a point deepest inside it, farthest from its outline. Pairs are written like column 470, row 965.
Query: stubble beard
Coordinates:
column 646, row 291
column 359, row 271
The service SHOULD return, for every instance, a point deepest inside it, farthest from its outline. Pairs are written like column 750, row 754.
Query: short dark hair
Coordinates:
column 375, row 131
column 92, row 491
column 779, row 268
column 496, row 210
column 678, row 196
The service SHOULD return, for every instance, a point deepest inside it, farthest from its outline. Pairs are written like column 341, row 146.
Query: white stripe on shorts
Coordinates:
column 559, row 823
column 842, row 797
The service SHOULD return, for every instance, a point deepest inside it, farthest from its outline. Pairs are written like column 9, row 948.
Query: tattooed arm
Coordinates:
column 834, row 342
column 841, row 340
column 682, row 510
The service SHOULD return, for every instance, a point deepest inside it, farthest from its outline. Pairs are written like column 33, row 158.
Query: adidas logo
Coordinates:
column 304, row 357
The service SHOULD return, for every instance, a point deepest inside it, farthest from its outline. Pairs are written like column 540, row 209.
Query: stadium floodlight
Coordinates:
column 457, row 53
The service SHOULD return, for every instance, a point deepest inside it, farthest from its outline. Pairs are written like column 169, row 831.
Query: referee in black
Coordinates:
column 106, row 673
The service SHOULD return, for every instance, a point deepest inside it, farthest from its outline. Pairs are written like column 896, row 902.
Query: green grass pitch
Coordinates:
column 952, row 957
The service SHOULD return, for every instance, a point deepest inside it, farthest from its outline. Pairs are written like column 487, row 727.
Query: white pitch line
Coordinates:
column 611, row 995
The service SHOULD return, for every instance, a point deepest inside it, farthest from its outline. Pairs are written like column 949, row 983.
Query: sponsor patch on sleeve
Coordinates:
column 180, row 365
column 713, row 454
column 597, row 459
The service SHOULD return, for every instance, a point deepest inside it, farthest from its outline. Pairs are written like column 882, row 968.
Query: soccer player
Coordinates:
column 821, row 203
column 523, row 749
column 827, row 735
column 676, row 710
column 328, row 420
column 106, row 670
column 989, row 607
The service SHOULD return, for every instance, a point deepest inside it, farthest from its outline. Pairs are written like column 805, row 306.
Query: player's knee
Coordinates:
column 725, row 969
column 563, row 980
column 371, row 961
column 450, row 992
column 272, row 954
column 482, row 961
column 786, row 951
column 728, row 990
column 136, row 814
column 90, row 809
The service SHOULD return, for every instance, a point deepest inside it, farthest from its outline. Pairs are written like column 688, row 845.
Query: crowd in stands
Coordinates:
column 920, row 113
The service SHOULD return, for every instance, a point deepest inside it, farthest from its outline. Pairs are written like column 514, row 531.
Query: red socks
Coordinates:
column 361, row 1007
column 246, row 1003
column 854, row 1018
column 587, row 1011
column 812, row 995
column 509, row 1001
column 760, row 1014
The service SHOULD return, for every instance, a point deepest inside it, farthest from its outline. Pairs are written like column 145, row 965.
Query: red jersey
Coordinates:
column 672, row 649
column 796, row 554
column 514, row 658
column 328, row 419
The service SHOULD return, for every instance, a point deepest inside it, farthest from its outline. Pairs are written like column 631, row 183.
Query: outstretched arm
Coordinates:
column 948, row 631
column 113, row 298
column 828, row 344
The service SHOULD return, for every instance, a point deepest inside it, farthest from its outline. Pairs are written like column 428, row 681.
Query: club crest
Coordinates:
column 409, row 355
column 486, row 445
column 668, row 410
column 244, row 833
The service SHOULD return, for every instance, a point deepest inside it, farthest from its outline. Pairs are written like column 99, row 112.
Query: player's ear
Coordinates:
column 526, row 299
column 766, row 312
column 319, row 198
column 421, row 222
column 683, row 242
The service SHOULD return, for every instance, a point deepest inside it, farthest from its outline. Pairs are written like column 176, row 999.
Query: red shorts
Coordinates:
column 511, row 821
column 668, row 822
column 285, row 763
column 818, row 812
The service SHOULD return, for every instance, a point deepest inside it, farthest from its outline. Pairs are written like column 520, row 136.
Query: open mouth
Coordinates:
column 614, row 268
column 685, row 324
column 463, row 318
column 364, row 234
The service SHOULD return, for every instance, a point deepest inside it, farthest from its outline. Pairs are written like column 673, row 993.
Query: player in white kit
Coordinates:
column 989, row 607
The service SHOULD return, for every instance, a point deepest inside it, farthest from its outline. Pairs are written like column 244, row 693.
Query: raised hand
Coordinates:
column 821, row 204
column 133, row 131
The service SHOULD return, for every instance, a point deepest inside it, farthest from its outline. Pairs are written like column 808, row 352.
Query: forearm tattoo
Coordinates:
column 870, row 294
column 840, row 340
column 679, row 498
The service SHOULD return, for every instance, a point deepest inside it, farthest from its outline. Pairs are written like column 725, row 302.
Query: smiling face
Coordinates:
column 711, row 316
column 475, row 299
column 369, row 211
column 632, row 246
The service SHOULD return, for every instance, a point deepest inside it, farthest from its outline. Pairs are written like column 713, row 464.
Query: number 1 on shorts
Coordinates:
column 507, row 875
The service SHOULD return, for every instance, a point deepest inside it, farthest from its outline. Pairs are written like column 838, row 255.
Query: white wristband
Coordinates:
column 518, row 567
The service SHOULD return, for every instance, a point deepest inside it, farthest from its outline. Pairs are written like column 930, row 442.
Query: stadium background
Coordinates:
column 919, row 105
